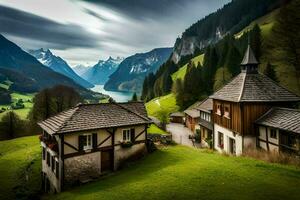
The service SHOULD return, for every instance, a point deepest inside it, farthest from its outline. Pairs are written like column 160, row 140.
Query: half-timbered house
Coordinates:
column 241, row 102
column 279, row 130
column 90, row 139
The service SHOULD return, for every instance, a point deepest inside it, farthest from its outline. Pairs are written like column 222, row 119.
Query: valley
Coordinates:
column 125, row 100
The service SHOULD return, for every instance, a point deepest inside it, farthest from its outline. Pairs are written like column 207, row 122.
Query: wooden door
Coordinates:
column 232, row 147
column 106, row 160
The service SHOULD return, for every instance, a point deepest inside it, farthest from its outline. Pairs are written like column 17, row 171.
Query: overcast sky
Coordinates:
column 86, row 31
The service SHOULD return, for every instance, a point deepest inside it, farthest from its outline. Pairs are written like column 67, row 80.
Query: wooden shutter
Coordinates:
column 80, row 142
column 132, row 134
column 95, row 141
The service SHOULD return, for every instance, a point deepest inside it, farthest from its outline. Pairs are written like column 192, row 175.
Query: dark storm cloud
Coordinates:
column 22, row 24
column 152, row 8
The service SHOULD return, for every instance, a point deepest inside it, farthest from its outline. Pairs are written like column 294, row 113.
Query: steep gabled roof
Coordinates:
column 282, row 118
column 247, row 87
column 96, row 116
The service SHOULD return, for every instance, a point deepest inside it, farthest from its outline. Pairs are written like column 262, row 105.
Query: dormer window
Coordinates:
column 219, row 112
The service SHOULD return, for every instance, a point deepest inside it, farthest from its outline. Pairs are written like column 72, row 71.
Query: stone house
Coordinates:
column 86, row 141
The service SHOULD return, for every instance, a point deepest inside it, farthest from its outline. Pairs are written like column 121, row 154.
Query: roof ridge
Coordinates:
column 131, row 111
column 264, row 115
column 233, row 78
column 243, row 86
column 290, row 109
column 64, row 123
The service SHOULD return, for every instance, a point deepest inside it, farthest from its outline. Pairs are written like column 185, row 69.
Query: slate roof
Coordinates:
column 248, row 87
column 281, row 118
column 206, row 105
column 194, row 113
column 192, row 110
column 96, row 116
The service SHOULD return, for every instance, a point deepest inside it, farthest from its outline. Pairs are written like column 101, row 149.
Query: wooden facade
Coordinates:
column 241, row 116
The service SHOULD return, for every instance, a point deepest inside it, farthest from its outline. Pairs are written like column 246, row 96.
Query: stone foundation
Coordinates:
column 132, row 153
column 81, row 168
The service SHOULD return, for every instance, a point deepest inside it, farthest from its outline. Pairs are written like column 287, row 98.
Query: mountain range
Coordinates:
column 131, row 72
column 81, row 69
column 57, row 64
column 100, row 72
column 27, row 74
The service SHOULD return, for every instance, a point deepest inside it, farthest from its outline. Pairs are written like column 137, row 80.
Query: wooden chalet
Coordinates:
column 177, row 117
column 241, row 102
column 206, row 122
column 192, row 117
column 90, row 139
column 279, row 130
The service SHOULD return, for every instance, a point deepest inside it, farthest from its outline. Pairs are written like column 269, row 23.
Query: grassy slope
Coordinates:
column 265, row 23
column 184, row 173
column 182, row 71
column 28, row 105
column 18, row 158
column 166, row 103
column 153, row 129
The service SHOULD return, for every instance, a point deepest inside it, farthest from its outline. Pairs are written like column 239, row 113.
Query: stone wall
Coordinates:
column 123, row 154
column 82, row 168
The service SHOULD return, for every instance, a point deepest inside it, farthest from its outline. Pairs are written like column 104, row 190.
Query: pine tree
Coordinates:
column 270, row 72
column 233, row 60
column 255, row 38
column 134, row 97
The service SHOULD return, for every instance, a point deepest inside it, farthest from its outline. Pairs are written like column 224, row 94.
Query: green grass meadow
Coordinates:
column 178, row 172
column 20, row 168
column 172, row 172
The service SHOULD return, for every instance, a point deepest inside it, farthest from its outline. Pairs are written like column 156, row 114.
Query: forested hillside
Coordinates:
column 276, row 45
column 231, row 19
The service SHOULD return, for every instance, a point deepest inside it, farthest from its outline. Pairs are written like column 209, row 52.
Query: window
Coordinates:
column 48, row 158
column 219, row 109
column 273, row 134
column 86, row 141
column 227, row 111
column 220, row 140
column 44, row 153
column 126, row 135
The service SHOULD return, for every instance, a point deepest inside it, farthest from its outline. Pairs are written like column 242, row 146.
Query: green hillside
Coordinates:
column 182, row 70
column 178, row 172
column 265, row 23
column 27, row 99
column 20, row 158
column 165, row 103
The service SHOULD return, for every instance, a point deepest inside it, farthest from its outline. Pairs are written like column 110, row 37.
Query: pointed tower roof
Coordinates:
column 249, row 57
column 251, row 86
